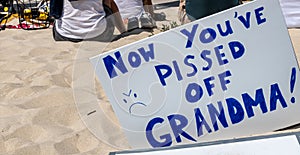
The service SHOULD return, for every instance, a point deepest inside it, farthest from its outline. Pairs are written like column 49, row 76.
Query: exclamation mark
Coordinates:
column 292, row 83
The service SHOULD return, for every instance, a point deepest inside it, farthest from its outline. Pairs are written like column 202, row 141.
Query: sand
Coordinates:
column 38, row 115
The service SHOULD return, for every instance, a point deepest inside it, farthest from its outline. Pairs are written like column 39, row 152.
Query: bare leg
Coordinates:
column 117, row 19
column 148, row 7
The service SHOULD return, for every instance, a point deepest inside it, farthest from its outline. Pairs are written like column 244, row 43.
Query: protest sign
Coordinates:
column 231, row 74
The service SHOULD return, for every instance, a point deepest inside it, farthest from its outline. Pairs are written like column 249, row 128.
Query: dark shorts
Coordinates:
column 197, row 9
column 106, row 36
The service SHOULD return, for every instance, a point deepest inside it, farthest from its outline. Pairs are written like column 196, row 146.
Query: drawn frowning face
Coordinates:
column 129, row 95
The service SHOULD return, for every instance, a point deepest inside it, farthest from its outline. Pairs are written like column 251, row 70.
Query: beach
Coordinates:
column 38, row 113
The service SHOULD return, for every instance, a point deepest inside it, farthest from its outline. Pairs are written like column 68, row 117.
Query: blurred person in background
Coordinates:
column 78, row 20
column 134, row 12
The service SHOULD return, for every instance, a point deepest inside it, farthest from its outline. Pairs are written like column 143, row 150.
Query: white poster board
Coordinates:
column 270, row 145
column 227, row 75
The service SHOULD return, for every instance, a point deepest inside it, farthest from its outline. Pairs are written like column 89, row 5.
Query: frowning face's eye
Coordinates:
column 131, row 102
column 134, row 95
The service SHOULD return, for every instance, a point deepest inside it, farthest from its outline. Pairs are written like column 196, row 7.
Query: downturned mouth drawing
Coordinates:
column 136, row 103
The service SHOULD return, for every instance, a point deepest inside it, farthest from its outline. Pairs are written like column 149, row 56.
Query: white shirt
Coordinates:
column 82, row 19
column 130, row 8
column 291, row 12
